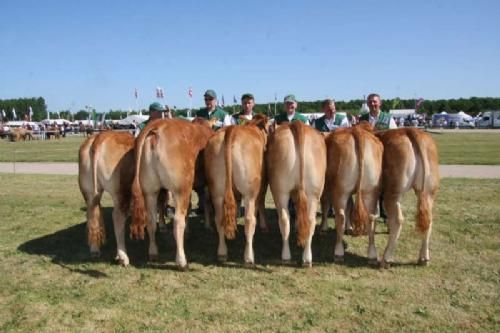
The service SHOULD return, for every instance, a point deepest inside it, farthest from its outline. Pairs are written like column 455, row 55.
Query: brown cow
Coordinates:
column 296, row 165
column 410, row 161
column 354, row 166
column 234, row 162
column 165, row 157
column 106, row 163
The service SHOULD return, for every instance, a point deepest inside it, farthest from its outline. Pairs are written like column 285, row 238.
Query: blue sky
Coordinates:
column 77, row 53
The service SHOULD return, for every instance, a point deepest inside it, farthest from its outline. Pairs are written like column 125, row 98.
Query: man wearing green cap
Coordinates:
column 290, row 113
column 155, row 112
column 378, row 119
column 330, row 121
column 212, row 110
column 247, row 103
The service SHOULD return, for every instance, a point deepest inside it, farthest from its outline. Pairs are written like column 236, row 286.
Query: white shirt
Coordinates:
column 330, row 123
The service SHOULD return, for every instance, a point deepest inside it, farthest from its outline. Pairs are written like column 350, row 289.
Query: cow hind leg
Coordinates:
column 341, row 205
column 424, row 256
column 325, row 205
column 151, row 204
column 182, row 204
column 119, row 218
column 312, row 206
column 370, row 200
column 395, row 221
column 250, row 222
column 284, row 224
column 222, row 247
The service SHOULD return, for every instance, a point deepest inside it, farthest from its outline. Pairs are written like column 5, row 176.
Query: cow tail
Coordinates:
column 298, row 131
column 139, row 211
column 423, row 218
column 229, row 206
column 359, row 215
column 96, row 233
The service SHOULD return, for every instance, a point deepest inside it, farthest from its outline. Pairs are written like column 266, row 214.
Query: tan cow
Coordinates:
column 410, row 161
column 354, row 166
column 234, row 162
column 165, row 157
column 106, row 163
column 296, row 164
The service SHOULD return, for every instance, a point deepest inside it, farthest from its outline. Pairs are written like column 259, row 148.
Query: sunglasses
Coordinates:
column 209, row 99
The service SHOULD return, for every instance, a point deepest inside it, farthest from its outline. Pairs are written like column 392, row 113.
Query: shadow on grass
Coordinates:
column 69, row 247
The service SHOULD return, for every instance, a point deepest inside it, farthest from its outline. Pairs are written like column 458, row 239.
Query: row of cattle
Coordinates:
column 239, row 163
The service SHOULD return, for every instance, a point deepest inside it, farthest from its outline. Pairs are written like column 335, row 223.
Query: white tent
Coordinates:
column 465, row 115
column 133, row 118
column 59, row 122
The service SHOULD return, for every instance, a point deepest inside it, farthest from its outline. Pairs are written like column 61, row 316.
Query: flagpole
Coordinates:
column 275, row 100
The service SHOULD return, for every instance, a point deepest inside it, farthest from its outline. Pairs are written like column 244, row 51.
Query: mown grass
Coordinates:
column 468, row 148
column 458, row 147
column 49, row 284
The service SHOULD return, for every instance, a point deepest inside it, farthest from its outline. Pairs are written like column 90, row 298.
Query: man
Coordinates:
column 212, row 110
column 378, row 119
column 247, row 103
column 330, row 121
column 155, row 112
column 290, row 115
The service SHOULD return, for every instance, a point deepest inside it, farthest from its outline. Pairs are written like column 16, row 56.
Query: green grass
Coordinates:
column 49, row 284
column 454, row 148
column 468, row 148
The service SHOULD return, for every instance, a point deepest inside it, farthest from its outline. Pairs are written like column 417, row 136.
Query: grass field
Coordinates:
column 49, row 284
column 454, row 148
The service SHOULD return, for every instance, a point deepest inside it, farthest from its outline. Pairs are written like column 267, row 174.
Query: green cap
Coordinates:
column 247, row 95
column 290, row 98
column 156, row 107
column 210, row 93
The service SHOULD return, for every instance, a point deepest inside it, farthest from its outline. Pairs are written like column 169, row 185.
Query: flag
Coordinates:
column 58, row 115
column 159, row 92
column 419, row 103
column 234, row 99
column 14, row 116
column 222, row 103
column 190, row 92
column 3, row 114
column 268, row 109
column 48, row 114
column 136, row 94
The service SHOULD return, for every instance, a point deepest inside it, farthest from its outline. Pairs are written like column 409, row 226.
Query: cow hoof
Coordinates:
column 184, row 268
column 221, row 258
column 153, row 257
column 307, row 264
column 286, row 262
column 423, row 262
column 124, row 262
column 249, row 264
column 338, row 259
column 162, row 228
column 95, row 255
column 373, row 262
column 385, row 264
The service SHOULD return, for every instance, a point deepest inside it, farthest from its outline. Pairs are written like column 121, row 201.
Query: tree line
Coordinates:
column 472, row 106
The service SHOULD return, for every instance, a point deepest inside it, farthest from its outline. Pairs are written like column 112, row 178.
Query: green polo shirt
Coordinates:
column 320, row 123
column 218, row 113
column 283, row 117
column 383, row 121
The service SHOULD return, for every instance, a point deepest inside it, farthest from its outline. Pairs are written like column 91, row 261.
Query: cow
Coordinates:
column 234, row 162
column 165, row 156
column 354, row 166
column 410, row 161
column 296, row 165
column 106, row 163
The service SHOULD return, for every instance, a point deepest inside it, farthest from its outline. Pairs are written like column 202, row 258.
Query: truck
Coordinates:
column 489, row 119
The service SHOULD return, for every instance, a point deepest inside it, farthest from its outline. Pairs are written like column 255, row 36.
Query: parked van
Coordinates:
column 489, row 119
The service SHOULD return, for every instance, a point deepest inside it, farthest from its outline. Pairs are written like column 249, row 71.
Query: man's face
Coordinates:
column 290, row 107
column 329, row 109
column 374, row 104
column 155, row 115
column 248, row 104
column 210, row 102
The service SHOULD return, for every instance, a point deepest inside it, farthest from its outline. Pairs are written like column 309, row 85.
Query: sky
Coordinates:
column 78, row 53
